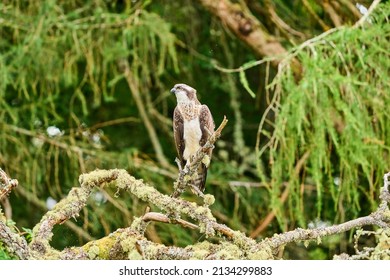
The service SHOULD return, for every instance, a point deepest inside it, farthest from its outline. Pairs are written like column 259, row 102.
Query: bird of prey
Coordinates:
column 192, row 125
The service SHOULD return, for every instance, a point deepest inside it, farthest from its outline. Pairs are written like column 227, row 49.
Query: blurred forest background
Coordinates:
column 85, row 85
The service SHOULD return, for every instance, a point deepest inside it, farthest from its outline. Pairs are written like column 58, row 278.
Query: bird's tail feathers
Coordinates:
column 200, row 180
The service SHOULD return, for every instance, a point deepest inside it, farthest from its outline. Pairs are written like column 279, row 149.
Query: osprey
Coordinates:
column 192, row 125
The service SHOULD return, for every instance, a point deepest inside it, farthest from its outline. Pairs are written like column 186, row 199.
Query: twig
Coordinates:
column 324, row 26
column 159, row 217
column 53, row 142
column 6, row 184
column 280, row 23
column 248, row 29
column 245, row 184
column 268, row 219
column 114, row 122
column 352, row 8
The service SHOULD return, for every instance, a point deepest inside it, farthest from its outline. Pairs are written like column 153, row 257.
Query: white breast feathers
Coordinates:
column 192, row 135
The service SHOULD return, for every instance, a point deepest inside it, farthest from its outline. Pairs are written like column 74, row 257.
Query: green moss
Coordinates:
column 138, row 224
column 208, row 199
column 242, row 241
column 206, row 160
column 200, row 210
column 93, row 252
column 134, row 255
column 229, row 251
column 263, row 254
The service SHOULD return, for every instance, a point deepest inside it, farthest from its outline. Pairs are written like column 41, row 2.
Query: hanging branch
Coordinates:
column 336, row 19
column 280, row 23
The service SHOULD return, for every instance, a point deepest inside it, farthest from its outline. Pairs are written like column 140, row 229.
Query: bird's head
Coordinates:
column 184, row 93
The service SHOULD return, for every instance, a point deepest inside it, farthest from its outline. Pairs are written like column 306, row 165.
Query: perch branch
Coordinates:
column 121, row 244
column 130, row 243
column 172, row 206
column 12, row 241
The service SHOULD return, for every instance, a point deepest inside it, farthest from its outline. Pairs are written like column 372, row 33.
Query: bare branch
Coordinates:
column 159, row 217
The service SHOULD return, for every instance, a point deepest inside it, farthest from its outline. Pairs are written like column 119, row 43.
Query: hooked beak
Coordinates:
column 173, row 90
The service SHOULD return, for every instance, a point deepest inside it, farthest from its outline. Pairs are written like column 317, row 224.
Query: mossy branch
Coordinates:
column 130, row 243
column 13, row 242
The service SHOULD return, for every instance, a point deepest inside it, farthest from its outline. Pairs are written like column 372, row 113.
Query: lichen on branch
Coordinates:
column 130, row 243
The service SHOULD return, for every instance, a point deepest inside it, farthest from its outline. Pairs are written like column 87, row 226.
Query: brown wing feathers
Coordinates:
column 207, row 126
column 178, row 130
